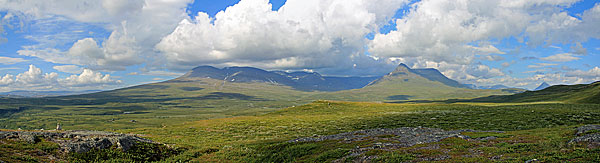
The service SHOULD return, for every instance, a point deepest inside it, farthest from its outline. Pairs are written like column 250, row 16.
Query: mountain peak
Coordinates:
column 544, row 85
column 301, row 80
column 402, row 69
column 403, row 65
column 403, row 73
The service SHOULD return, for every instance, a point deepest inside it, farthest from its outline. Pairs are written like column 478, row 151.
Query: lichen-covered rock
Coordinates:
column 592, row 138
column 393, row 138
column 77, row 141
column 30, row 138
column 583, row 129
column 583, row 134
column 408, row 136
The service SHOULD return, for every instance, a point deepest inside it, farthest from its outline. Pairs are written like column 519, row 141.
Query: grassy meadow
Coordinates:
column 538, row 131
column 417, row 88
column 171, row 103
column 152, row 105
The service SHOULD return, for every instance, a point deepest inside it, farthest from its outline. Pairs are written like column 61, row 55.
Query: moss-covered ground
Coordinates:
column 533, row 131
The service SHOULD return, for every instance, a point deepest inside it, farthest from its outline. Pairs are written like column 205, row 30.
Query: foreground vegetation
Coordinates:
column 533, row 131
column 263, row 138
column 47, row 151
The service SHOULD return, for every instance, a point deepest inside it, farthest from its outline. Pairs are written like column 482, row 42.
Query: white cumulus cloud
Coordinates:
column 6, row 80
column 593, row 74
column 328, row 36
column 439, row 30
column 35, row 79
column 135, row 27
column 301, row 34
column 86, row 78
column 34, row 76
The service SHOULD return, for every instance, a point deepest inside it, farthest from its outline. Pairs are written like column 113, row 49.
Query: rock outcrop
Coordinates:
column 387, row 139
column 408, row 136
column 77, row 141
column 589, row 134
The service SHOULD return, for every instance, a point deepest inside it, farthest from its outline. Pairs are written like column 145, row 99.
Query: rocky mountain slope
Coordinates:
column 404, row 72
column 544, row 85
column 405, row 83
column 304, row 81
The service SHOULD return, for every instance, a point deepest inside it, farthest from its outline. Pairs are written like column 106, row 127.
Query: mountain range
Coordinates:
column 303, row 81
column 403, row 83
column 429, row 73
column 313, row 81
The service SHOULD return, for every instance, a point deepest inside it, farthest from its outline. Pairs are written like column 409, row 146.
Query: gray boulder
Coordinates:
column 78, row 141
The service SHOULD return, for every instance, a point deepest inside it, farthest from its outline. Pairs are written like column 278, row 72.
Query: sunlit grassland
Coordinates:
column 153, row 105
column 413, row 89
column 544, row 144
column 172, row 103
column 240, row 138
column 221, row 121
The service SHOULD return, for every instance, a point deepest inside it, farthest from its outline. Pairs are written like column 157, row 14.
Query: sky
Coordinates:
column 54, row 45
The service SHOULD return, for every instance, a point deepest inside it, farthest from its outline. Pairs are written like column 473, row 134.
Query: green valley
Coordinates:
column 200, row 95
column 253, row 118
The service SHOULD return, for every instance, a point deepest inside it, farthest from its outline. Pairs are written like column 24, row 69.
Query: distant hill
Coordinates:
column 580, row 93
column 544, row 85
column 405, row 83
column 208, row 92
column 304, row 81
column 248, row 87
column 431, row 74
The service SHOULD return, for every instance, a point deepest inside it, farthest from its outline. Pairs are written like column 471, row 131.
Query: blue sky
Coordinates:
column 107, row 44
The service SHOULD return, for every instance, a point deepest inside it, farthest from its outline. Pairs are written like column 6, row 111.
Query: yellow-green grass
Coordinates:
column 19, row 151
column 172, row 103
column 413, row 89
column 243, row 138
column 153, row 105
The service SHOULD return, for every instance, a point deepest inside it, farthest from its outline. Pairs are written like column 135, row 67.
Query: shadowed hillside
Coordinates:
column 303, row 81
column 580, row 93
column 405, row 83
